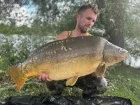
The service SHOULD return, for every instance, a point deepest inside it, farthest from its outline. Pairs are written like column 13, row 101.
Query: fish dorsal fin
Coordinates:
column 71, row 81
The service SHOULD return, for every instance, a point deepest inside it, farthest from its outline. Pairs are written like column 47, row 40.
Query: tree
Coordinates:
column 114, row 21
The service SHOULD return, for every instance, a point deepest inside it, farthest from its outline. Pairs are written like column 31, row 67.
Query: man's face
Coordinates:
column 86, row 20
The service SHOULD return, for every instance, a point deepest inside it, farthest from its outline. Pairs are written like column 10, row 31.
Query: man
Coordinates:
column 86, row 17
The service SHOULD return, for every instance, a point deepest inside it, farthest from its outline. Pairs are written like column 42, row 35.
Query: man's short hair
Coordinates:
column 89, row 6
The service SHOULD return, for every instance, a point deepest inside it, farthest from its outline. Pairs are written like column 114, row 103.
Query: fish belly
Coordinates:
column 79, row 66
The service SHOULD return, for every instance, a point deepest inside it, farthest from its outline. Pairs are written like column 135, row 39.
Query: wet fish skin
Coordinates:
column 113, row 53
column 69, row 59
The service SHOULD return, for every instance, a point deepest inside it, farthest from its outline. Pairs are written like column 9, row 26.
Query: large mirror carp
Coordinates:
column 68, row 59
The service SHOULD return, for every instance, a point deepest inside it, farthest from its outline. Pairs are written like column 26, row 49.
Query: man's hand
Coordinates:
column 44, row 77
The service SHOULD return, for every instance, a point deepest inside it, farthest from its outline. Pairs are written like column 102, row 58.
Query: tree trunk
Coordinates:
column 114, row 22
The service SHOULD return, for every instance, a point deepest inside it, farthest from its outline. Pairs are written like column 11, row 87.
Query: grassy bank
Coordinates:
column 123, row 82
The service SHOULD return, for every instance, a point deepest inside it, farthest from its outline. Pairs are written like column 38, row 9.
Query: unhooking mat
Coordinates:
column 65, row 100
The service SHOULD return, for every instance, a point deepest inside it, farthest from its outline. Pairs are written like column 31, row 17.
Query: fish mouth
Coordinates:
column 123, row 56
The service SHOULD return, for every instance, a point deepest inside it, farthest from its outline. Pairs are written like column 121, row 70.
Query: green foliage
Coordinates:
column 10, row 30
column 132, row 26
column 124, row 82
column 9, row 55
column 68, row 22
column 132, row 20
column 3, row 65
column 31, row 88
column 43, row 28
column 72, row 91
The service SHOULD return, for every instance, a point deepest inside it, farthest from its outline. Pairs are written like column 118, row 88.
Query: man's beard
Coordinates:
column 83, row 30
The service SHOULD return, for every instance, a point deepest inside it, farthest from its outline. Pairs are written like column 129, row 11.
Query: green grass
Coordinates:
column 123, row 81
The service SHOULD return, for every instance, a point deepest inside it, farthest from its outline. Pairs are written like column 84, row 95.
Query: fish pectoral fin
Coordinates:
column 101, row 70
column 71, row 81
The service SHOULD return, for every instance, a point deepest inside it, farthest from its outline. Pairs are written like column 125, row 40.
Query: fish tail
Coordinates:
column 18, row 77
